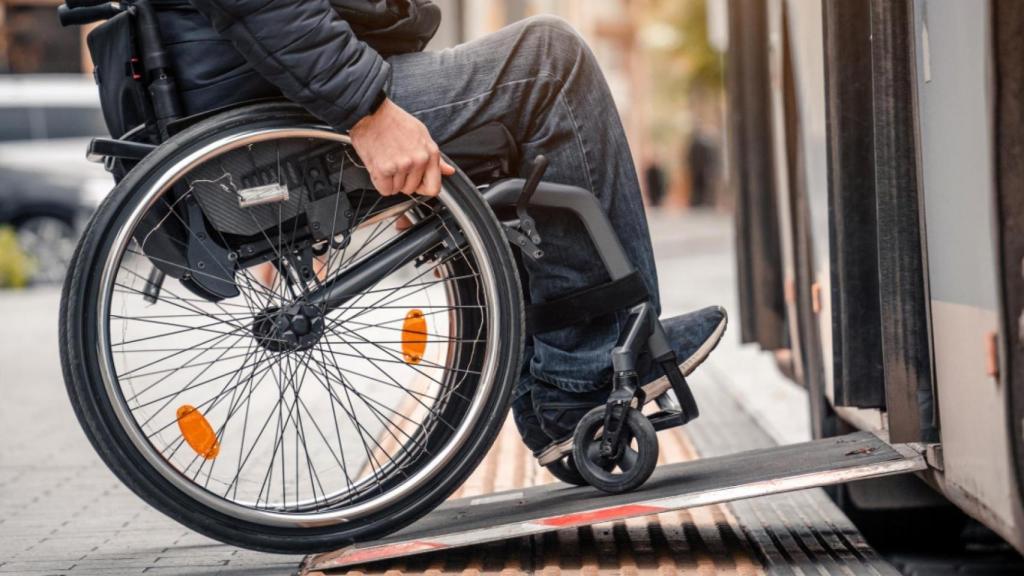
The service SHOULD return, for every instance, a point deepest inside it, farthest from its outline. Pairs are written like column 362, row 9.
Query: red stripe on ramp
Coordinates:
column 382, row 552
column 604, row 515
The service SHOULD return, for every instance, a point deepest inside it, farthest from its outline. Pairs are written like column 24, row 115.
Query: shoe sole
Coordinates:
column 652, row 390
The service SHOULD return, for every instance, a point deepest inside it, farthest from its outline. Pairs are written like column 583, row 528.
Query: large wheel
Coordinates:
column 219, row 385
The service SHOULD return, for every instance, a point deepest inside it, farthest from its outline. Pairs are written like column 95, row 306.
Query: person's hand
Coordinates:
column 399, row 153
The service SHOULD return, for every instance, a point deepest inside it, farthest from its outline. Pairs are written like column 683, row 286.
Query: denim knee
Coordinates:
column 556, row 41
column 539, row 22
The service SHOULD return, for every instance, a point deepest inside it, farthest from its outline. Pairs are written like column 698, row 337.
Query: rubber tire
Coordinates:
column 565, row 470
column 647, row 447
column 93, row 407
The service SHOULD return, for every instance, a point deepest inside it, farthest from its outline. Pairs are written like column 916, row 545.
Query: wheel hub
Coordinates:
column 296, row 327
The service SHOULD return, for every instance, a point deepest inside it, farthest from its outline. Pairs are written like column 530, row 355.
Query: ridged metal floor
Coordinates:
column 701, row 541
column 797, row 533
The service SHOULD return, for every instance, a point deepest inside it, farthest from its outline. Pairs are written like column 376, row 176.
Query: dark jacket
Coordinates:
column 301, row 49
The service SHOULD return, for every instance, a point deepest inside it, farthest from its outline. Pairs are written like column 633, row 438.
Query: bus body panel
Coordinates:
column 953, row 68
column 953, row 41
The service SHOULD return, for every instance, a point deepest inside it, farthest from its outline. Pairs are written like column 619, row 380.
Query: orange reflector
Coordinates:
column 197, row 432
column 414, row 336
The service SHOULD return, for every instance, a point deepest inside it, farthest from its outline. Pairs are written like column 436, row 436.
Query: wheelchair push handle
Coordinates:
column 76, row 4
column 77, row 13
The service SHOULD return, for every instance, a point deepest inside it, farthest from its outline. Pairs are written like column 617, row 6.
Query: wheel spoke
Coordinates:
column 300, row 418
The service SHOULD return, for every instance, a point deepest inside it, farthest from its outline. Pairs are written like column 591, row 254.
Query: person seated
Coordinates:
column 540, row 80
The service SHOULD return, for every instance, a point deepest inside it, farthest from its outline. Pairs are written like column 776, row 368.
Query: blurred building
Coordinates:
column 33, row 41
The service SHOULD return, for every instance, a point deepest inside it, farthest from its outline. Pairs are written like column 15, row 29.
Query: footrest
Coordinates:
column 687, row 403
column 665, row 419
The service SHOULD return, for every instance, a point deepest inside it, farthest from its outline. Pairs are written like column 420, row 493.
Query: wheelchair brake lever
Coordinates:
column 540, row 166
column 524, row 233
column 523, row 242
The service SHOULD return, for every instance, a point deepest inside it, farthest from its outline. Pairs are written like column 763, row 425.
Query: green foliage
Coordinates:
column 686, row 74
column 15, row 265
column 705, row 64
column 684, row 61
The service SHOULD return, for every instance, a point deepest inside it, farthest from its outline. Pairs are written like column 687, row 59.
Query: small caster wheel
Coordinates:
column 635, row 463
column 566, row 471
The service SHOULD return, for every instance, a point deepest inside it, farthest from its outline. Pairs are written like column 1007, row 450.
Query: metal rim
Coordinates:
column 270, row 517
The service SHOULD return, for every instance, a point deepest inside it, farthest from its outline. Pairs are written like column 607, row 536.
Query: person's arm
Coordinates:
column 311, row 54
column 305, row 49
column 399, row 152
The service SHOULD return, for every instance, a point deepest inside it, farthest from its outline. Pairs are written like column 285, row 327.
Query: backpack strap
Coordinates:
column 586, row 304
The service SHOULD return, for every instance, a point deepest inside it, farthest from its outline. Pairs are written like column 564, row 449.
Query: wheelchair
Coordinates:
column 265, row 349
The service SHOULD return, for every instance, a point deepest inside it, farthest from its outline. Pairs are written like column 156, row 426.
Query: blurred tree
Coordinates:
column 15, row 265
column 675, row 35
column 687, row 83
column 704, row 69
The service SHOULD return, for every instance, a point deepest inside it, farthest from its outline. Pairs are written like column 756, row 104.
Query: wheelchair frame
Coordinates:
column 642, row 334
column 546, row 508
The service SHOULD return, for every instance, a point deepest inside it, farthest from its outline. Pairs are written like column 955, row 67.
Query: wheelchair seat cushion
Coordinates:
column 485, row 154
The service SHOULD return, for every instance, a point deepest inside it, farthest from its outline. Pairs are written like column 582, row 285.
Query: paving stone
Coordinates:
column 20, row 567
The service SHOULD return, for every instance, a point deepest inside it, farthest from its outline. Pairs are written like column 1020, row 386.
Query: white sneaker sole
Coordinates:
column 652, row 390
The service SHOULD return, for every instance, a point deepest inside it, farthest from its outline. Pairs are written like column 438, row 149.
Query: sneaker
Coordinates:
column 693, row 337
column 557, row 413
column 528, row 425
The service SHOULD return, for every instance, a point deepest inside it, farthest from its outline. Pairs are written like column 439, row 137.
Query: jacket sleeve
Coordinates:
column 307, row 50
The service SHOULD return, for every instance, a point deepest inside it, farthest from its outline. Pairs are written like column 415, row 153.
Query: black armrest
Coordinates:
column 100, row 148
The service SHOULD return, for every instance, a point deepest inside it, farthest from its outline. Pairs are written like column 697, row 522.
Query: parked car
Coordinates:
column 47, row 187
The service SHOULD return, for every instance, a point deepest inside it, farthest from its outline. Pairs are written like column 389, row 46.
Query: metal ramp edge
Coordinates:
column 517, row 513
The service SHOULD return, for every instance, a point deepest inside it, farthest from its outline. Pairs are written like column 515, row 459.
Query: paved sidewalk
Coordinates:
column 697, row 267
column 63, row 512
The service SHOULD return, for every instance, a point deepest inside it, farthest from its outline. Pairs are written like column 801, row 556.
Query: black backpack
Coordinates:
column 391, row 26
column 210, row 73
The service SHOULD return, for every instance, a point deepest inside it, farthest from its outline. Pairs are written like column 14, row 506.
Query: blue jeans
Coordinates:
column 539, row 79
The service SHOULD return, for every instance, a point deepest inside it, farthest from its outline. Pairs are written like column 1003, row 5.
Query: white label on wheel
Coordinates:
column 258, row 195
